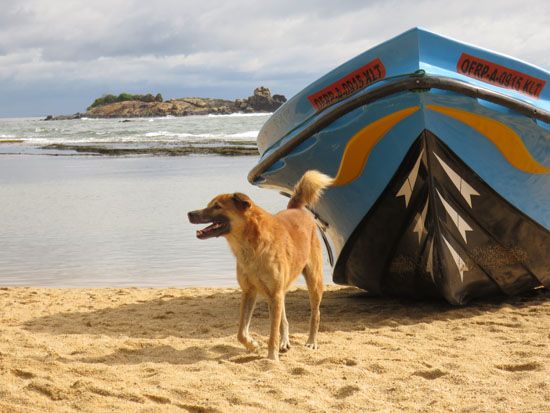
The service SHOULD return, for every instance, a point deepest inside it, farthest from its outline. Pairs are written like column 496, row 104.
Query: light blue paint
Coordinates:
column 415, row 49
column 344, row 207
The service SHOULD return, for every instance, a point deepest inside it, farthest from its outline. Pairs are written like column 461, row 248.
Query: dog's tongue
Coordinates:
column 205, row 232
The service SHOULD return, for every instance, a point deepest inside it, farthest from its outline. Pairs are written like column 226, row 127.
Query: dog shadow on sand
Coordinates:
column 211, row 315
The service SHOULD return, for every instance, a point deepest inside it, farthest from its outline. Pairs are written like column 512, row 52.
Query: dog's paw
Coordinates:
column 312, row 345
column 273, row 356
column 285, row 346
column 252, row 345
column 249, row 343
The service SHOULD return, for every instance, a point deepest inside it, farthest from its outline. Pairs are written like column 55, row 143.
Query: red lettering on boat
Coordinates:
column 348, row 85
column 498, row 75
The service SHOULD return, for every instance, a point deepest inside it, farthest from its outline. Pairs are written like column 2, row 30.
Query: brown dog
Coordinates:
column 271, row 252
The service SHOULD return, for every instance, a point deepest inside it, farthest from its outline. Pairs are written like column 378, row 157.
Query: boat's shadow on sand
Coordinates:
column 211, row 316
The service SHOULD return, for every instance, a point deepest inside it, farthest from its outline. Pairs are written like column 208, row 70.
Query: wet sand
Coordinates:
column 151, row 350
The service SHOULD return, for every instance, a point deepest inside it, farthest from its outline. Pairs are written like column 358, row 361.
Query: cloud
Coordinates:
column 235, row 45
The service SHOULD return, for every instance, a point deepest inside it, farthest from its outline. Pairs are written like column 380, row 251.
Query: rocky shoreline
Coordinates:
column 180, row 150
column 260, row 101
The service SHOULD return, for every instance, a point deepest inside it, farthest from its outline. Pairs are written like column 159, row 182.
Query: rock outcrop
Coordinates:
column 260, row 101
column 77, row 115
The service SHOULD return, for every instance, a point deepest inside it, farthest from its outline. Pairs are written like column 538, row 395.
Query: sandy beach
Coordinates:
column 98, row 350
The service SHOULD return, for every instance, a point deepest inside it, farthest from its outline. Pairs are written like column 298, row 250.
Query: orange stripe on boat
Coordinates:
column 508, row 142
column 359, row 147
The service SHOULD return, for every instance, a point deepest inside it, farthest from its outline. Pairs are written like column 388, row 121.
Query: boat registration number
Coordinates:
column 498, row 75
column 348, row 85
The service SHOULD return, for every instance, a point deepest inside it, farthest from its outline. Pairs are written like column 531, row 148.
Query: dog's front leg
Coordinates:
column 277, row 303
column 248, row 302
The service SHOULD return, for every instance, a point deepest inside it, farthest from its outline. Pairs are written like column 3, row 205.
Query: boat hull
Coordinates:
column 442, row 187
column 439, row 230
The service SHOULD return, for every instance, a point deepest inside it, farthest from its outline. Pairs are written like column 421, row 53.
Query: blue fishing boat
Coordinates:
column 441, row 156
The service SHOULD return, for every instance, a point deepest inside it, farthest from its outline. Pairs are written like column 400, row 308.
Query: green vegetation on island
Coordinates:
column 124, row 97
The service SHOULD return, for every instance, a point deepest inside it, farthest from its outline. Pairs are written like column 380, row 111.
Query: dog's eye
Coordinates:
column 217, row 206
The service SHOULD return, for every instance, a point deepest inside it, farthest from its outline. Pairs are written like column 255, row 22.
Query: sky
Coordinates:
column 57, row 56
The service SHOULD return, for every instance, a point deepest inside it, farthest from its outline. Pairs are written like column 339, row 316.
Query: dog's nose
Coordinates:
column 192, row 216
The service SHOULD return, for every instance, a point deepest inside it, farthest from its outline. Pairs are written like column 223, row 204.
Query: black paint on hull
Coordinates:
column 438, row 230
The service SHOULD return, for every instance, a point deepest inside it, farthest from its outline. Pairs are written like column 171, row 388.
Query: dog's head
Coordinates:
column 223, row 212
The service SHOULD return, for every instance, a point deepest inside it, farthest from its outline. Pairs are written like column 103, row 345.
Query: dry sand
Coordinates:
column 136, row 350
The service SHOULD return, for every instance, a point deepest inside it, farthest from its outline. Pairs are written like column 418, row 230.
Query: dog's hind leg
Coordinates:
column 248, row 302
column 285, row 341
column 313, row 273
column 277, row 303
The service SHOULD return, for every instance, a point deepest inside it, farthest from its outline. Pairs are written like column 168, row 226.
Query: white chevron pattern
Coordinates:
column 460, row 264
column 459, row 222
column 463, row 187
column 420, row 219
column 408, row 186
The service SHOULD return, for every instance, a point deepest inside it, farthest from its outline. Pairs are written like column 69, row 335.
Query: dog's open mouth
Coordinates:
column 219, row 224
column 216, row 229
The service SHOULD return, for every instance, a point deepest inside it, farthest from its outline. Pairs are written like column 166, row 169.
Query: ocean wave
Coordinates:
column 248, row 134
column 100, row 137
column 175, row 134
column 79, row 140
column 174, row 131
column 239, row 114
column 221, row 136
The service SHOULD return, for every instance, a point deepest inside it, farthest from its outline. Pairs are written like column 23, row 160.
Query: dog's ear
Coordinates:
column 242, row 201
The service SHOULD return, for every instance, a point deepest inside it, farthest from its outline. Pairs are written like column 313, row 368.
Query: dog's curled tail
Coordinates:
column 309, row 189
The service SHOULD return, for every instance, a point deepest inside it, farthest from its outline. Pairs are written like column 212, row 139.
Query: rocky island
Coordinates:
column 136, row 106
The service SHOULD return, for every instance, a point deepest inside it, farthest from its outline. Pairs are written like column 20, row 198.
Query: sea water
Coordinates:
column 100, row 221
column 33, row 135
